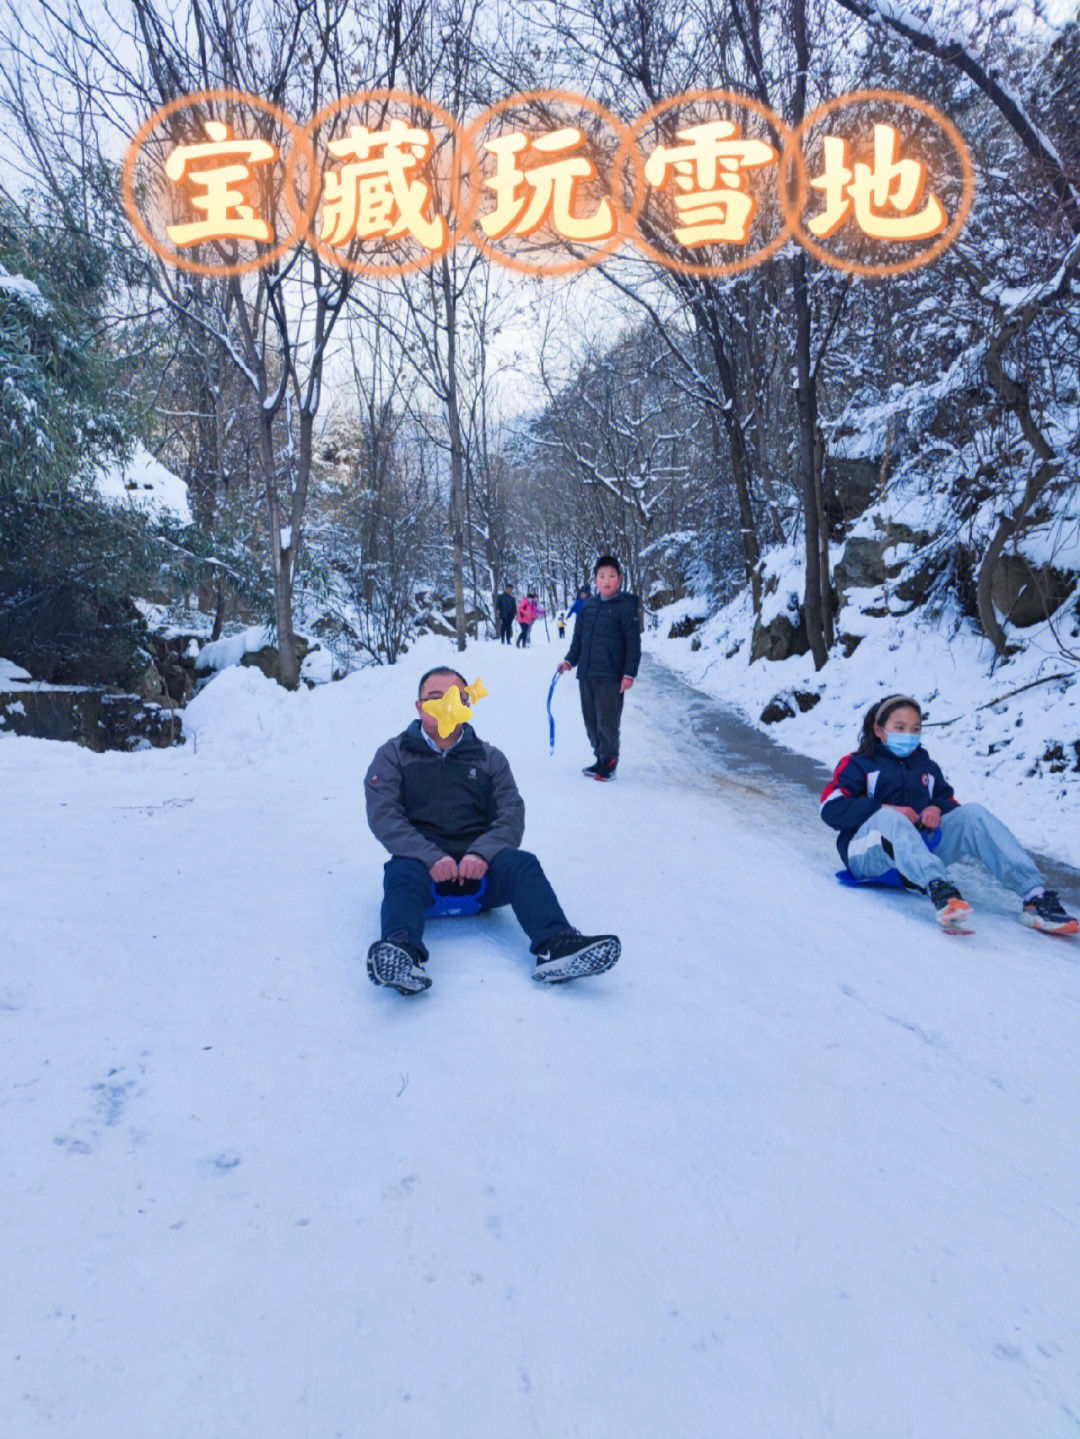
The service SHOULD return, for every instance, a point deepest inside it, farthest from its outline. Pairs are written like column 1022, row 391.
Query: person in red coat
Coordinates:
column 526, row 613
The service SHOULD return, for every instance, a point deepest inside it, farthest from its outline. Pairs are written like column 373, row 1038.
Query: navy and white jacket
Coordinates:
column 861, row 784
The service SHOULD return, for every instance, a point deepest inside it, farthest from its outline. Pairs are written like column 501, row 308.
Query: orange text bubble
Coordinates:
column 386, row 184
column 207, row 182
column 555, row 186
column 701, row 152
column 840, row 182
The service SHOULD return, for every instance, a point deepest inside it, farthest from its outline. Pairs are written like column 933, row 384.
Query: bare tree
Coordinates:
column 274, row 326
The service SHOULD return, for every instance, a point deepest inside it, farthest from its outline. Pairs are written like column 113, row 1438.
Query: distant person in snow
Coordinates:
column 576, row 607
column 505, row 610
column 526, row 613
column 607, row 651
column 560, row 621
column 895, row 810
column 450, row 814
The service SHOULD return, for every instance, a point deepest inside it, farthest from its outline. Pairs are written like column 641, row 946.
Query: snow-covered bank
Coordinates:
column 145, row 484
column 798, row 1165
column 1010, row 739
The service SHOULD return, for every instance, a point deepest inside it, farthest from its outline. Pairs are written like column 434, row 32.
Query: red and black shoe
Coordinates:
column 605, row 768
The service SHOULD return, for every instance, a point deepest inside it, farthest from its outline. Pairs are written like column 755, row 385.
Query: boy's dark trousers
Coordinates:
column 601, row 708
column 514, row 877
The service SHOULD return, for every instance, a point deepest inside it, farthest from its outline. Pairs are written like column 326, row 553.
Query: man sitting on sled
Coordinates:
column 449, row 812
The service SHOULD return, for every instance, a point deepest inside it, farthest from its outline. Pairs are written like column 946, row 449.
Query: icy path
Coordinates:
column 799, row 1166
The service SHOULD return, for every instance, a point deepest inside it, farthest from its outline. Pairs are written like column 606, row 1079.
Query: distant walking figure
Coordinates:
column 526, row 613
column 505, row 610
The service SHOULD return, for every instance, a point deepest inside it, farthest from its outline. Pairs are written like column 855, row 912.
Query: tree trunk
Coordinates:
column 816, row 593
column 457, row 465
column 740, row 469
column 824, row 570
column 289, row 670
column 813, row 609
column 219, row 613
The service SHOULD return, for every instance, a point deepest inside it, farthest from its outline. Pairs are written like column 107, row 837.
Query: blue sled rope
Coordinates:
column 551, row 718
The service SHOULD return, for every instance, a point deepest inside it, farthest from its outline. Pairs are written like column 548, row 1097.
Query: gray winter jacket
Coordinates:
column 423, row 805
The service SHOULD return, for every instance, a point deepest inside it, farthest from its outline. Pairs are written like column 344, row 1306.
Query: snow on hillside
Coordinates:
column 798, row 1165
column 147, row 484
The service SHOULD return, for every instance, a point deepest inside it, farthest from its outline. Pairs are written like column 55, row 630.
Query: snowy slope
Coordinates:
column 146, row 484
column 799, row 1165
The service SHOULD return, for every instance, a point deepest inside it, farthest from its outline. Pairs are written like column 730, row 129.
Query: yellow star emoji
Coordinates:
column 476, row 691
column 448, row 710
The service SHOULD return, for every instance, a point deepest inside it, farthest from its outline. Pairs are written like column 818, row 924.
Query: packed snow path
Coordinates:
column 799, row 1165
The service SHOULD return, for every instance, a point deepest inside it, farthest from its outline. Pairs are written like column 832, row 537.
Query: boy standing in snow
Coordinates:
column 449, row 812
column 607, row 651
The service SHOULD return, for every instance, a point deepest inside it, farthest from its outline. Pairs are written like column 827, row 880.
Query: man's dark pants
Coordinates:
column 514, row 877
column 506, row 631
column 601, row 708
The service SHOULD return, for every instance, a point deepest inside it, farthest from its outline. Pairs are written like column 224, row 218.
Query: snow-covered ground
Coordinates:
column 798, row 1165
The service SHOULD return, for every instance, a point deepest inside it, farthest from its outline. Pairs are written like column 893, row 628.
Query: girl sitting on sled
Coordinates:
column 891, row 802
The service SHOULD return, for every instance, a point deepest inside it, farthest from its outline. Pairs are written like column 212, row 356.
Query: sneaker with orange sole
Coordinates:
column 950, row 904
column 1046, row 913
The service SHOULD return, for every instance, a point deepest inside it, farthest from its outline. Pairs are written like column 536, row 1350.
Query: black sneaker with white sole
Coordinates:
column 395, row 962
column 572, row 955
column 1047, row 913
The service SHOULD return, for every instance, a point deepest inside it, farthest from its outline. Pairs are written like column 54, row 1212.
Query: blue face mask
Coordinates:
column 902, row 745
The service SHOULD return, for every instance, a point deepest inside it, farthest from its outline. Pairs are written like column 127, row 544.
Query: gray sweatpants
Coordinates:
column 601, row 709
column 888, row 840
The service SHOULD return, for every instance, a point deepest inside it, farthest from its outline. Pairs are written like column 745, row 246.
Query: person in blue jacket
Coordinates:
column 889, row 796
column 576, row 608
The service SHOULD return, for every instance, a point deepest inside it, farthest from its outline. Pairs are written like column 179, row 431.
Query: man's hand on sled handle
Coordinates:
column 472, row 867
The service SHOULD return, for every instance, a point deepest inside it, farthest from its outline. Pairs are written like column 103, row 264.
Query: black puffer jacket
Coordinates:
column 607, row 641
column 422, row 804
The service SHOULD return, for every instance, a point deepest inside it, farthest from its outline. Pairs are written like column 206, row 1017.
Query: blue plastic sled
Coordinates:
column 453, row 898
column 891, row 878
